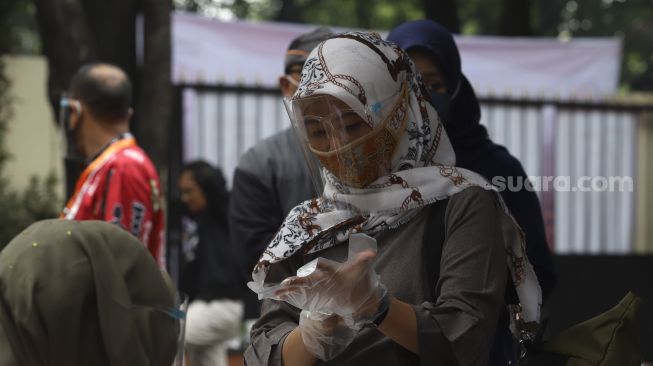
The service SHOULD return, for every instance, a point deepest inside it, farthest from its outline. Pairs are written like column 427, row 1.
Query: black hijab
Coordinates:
column 469, row 138
column 213, row 185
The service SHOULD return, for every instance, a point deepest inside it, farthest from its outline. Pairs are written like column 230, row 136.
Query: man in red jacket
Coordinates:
column 119, row 183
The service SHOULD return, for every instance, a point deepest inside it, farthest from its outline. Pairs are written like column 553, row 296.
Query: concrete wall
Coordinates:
column 32, row 139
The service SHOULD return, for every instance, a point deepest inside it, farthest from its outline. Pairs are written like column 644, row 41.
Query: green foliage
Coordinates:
column 19, row 17
column 39, row 201
column 479, row 17
column 630, row 20
column 368, row 14
column 20, row 209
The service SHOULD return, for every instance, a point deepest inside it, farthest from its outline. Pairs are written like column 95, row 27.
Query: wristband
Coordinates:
column 382, row 312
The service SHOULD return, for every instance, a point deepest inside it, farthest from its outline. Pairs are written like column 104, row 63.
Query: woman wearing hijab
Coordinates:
column 80, row 293
column 212, row 275
column 431, row 291
column 436, row 57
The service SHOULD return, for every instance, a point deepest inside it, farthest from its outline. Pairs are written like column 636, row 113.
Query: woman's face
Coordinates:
column 331, row 124
column 431, row 74
column 191, row 193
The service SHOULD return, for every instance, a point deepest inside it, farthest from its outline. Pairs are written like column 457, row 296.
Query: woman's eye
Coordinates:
column 354, row 127
column 318, row 133
column 435, row 86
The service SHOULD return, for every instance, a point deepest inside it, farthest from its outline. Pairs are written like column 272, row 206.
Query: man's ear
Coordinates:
column 285, row 87
column 74, row 118
column 130, row 113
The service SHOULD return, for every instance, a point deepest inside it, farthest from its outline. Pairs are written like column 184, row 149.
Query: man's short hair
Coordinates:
column 301, row 46
column 104, row 89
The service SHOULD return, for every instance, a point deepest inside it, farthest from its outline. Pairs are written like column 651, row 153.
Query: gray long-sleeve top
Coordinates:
column 456, row 328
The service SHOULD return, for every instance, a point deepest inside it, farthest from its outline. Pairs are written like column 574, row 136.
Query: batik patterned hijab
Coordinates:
column 362, row 70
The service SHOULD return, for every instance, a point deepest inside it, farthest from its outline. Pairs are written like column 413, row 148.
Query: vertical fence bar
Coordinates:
column 258, row 115
column 220, row 127
column 603, row 206
column 239, row 122
column 173, row 222
column 628, row 170
column 201, row 125
column 548, row 117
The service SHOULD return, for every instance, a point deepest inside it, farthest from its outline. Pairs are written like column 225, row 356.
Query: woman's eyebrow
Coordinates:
column 431, row 74
column 311, row 121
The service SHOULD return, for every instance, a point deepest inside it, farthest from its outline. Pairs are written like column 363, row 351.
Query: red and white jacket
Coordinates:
column 122, row 186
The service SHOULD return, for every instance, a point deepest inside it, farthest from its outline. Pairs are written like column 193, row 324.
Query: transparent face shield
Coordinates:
column 172, row 321
column 355, row 145
column 67, row 136
column 178, row 314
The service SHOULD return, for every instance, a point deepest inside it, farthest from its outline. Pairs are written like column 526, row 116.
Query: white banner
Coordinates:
column 251, row 54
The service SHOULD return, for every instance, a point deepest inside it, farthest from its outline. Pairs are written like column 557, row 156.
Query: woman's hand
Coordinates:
column 351, row 289
column 324, row 335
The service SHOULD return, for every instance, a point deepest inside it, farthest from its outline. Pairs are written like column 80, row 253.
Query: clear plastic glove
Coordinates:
column 352, row 289
column 324, row 335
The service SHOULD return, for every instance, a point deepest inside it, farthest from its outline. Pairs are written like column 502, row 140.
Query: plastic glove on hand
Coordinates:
column 324, row 335
column 351, row 289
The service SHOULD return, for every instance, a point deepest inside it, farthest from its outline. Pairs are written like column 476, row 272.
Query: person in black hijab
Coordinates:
column 211, row 275
column 435, row 54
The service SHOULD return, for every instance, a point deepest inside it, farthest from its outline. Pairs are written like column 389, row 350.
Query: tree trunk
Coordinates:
column 288, row 12
column 363, row 13
column 67, row 43
column 75, row 32
column 515, row 19
column 444, row 12
column 155, row 97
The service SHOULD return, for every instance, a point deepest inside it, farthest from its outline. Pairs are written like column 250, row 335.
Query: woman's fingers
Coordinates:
column 353, row 270
column 301, row 283
column 364, row 258
column 327, row 266
column 328, row 279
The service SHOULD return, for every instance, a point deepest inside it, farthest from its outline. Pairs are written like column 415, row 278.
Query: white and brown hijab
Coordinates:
column 362, row 70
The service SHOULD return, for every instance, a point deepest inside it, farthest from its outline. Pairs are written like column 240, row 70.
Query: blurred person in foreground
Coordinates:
column 436, row 57
column 271, row 177
column 119, row 183
column 80, row 293
column 210, row 275
column 402, row 259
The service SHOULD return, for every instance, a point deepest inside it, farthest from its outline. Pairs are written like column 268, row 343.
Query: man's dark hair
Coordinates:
column 104, row 89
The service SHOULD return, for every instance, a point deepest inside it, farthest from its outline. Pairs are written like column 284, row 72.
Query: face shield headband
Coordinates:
column 68, row 134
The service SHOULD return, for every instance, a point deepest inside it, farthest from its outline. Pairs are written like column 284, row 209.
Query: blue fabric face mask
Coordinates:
column 441, row 102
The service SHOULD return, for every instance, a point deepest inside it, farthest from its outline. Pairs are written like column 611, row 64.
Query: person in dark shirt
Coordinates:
column 210, row 275
column 271, row 177
column 436, row 57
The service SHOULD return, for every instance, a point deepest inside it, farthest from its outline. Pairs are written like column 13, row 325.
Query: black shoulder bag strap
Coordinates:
column 434, row 235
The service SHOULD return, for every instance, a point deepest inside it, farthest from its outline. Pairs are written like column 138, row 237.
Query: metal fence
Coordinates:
column 559, row 143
